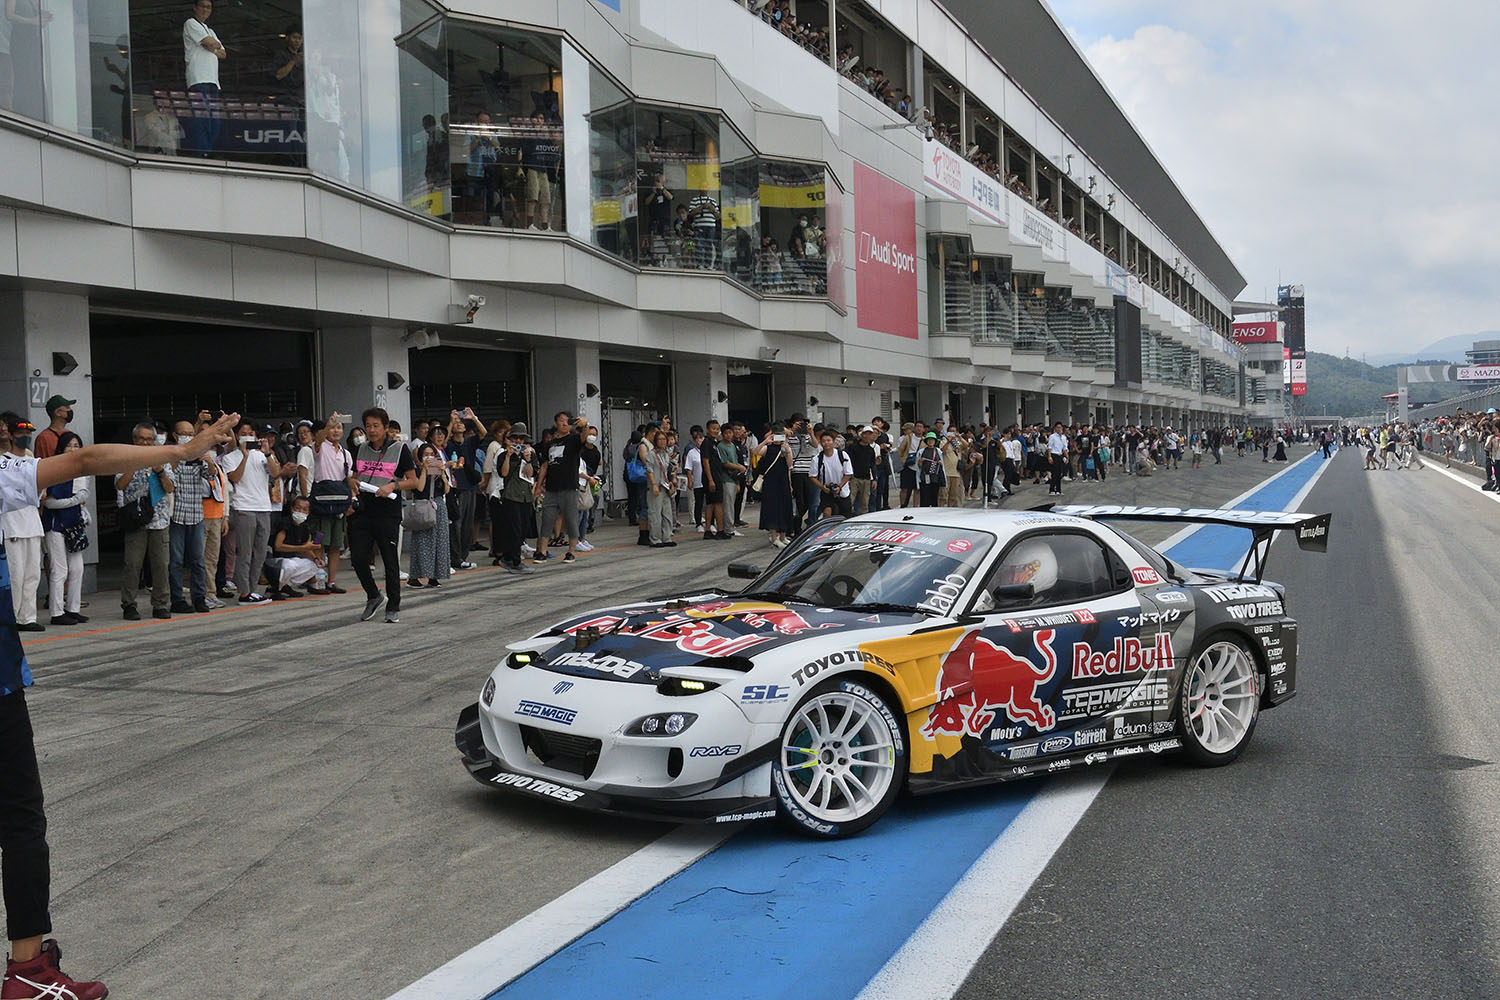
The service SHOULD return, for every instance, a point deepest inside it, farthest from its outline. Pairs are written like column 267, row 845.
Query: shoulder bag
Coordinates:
column 419, row 515
column 760, row 481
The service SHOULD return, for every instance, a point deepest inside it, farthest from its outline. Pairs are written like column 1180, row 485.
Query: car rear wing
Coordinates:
column 1310, row 530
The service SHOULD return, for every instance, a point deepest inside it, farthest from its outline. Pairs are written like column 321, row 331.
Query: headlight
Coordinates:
column 488, row 694
column 679, row 686
column 664, row 724
column 518, row 660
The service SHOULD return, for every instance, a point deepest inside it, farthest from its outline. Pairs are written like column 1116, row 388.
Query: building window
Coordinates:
column 505, row 127
column 677, row 154
column 222, row 82
column 422, row 66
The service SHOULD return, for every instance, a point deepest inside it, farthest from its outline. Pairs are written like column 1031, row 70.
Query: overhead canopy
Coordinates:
column 1026, row 39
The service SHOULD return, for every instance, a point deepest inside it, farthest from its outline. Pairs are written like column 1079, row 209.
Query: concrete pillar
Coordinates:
column 562, row 374
column 696, row 387
column 33, row 326
column 789, row 392
column 932, row 403
column 358, row 363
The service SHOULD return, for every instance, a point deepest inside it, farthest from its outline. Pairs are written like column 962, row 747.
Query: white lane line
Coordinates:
column 936, row 960
column 492, row 963
column 1462, row 480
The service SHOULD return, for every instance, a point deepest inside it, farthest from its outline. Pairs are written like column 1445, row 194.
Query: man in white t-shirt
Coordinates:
column 32, row 969
column 832, row 471
column 251, row 467
column 202, row 52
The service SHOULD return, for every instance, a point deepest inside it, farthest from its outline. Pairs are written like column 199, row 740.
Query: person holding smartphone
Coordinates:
column 429, row 546
column 776, row 509
column 251, row 468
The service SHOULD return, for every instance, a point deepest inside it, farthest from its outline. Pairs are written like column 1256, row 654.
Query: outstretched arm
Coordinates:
column 117, row 459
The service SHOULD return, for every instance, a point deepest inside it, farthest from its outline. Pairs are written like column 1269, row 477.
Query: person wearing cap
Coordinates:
column 930, row 477
column 863, row 456
column 23, row 533
column 514, row 467
column 251, row 468
column 60, row 414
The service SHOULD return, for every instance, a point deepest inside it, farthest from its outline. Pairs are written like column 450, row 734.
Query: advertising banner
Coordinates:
column 953, row 175
column 1257, row 333
column 885, row 264
column 1286, row 367
column 1299, row 376
column 1469, row 373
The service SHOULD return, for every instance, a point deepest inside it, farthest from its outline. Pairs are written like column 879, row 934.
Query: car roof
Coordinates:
column 1003, row 523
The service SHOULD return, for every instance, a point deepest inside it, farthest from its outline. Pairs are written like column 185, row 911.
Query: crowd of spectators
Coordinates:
column 812, row 37
column 1471, row 439
column 272, row 514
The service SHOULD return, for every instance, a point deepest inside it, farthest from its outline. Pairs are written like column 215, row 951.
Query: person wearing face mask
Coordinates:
column 60, row 414
column 194, row 481
column 297, row 553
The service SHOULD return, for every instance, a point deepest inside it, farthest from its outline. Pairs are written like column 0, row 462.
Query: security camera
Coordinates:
column 475, row 303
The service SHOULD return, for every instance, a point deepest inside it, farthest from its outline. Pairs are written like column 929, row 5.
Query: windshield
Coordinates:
column 910, row 565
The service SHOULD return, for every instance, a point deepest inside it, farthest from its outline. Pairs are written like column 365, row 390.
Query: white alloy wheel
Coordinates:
column 842, row 759
column 1220, row 701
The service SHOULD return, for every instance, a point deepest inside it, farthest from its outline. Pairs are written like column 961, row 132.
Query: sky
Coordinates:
column 1351, row 147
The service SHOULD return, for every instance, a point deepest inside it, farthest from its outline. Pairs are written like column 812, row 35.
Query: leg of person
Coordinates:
column 513, row 517
column 25, row 555
column 655, row 501
column 176, row 543
column 386, row 535
column 567, row 508
column 261, row 545
column 134, row 554
column 159, row 557
column 859, row 494
column 698, row 506
column 23, row 832
column 361, row 551
column 731, row 495
column 463, row 529
column 57, row 558
column 243, row 525
column 192, row 557
column 211, row 537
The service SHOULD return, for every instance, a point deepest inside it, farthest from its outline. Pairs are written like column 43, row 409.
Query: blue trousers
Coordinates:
column 187, row 553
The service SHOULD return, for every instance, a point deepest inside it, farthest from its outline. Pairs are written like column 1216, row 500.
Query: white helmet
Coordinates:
column 1030, row 562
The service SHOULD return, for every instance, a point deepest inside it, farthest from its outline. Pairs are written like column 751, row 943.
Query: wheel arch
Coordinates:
column 1241, row 631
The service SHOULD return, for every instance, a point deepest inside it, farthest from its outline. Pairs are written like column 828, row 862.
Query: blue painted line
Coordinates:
column 774, row 916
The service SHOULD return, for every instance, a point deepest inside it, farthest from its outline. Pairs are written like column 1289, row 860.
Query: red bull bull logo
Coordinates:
column 759, row 616
column 977, row 678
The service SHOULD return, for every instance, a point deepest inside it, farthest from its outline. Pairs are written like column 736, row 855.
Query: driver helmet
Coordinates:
column 1030, row 562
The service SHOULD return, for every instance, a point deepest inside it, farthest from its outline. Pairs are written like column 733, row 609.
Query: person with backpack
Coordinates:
column 832, row 472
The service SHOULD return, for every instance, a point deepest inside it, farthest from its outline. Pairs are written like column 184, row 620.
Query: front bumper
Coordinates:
column 734, row 791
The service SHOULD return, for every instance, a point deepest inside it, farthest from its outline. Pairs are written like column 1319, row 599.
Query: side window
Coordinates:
column 1062, row 568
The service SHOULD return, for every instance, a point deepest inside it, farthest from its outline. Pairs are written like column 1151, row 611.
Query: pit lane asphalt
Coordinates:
column 267, row 802
column 1353, row 850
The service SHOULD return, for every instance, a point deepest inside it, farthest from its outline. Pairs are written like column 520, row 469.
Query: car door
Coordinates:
column 1068, row 669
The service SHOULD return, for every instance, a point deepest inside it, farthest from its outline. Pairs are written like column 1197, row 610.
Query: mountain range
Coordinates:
column 1349, row 387
column 1449, row 349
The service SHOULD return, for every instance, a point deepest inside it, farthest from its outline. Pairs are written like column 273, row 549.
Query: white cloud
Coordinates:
column 1350, row 147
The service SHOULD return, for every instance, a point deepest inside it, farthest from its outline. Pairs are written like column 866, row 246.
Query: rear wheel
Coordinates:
column 1220, row 702
column 842, row 760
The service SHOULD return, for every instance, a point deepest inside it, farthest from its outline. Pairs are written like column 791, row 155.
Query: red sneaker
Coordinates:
column 41, row 979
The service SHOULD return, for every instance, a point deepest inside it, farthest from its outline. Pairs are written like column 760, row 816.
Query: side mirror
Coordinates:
column 743, row 571
column 1013, row 593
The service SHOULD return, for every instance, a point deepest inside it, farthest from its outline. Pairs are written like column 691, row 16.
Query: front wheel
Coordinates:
column 1220, row 702
column 842, row 760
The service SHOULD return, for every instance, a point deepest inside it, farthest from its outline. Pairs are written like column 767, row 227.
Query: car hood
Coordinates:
column 632, row 644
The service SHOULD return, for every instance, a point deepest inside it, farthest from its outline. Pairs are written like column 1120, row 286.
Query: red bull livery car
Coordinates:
column 923, row 649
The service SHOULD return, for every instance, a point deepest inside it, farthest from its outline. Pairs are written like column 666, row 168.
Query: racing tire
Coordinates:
column 841, row 760
column 1219, row 703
